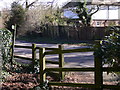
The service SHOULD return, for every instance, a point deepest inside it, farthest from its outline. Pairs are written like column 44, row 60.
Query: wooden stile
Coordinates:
column 97, row 69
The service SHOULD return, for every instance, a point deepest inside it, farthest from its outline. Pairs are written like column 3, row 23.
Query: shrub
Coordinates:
column 5, row 44
column 109, row 48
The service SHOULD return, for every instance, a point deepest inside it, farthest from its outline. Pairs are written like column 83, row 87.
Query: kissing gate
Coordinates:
column 97, row 69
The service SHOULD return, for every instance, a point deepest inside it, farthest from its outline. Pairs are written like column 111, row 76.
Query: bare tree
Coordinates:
column 35, row 17
column 27, row 5
column 40, row 16
column 84, row 13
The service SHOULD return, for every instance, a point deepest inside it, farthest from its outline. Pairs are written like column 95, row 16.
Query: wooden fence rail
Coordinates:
column 34, row 48
column 97, row 69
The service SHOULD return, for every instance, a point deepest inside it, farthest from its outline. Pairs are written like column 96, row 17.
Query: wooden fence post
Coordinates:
column 42, row 66
column 13, row 43
column 61, row 63
column 33, row 55
column 98, row 73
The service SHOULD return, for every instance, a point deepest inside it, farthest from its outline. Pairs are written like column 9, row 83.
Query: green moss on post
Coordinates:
column 61, row 62
column 42, row 66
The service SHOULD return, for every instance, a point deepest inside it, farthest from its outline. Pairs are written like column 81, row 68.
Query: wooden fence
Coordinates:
column 75, row 33
column 33, row 49
column 97, row 69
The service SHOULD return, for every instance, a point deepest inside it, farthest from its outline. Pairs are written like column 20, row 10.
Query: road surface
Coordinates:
column 80, row 59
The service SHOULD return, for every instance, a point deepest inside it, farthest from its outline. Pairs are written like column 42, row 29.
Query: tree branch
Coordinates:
column 95, row 11
column 28, row 5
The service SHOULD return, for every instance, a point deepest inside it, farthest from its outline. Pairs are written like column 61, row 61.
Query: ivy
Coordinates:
column 6, row 42
column 5, row 46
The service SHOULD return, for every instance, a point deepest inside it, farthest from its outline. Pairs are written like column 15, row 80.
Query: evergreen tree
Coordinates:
column 17, row 16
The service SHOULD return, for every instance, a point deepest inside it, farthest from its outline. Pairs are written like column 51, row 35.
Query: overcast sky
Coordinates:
column 6, row 3
column 113, row 14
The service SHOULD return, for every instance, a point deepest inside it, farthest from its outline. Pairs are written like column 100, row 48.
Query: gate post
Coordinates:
column 33, row 55
column 42, row 66
column 61, row 63
column 13, row 43
column 98, row 73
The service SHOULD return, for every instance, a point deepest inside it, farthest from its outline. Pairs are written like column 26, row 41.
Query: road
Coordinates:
column 81, row 59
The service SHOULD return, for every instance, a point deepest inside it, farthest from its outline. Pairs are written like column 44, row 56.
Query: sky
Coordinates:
column 102, row 14
column 6, row 3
